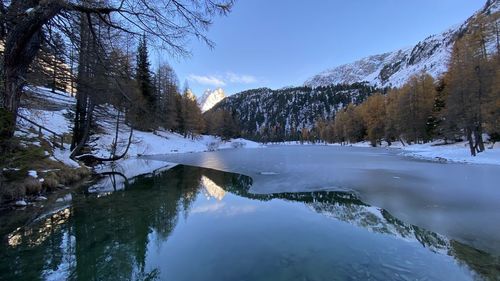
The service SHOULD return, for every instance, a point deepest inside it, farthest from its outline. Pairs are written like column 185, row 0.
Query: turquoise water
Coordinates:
column 190, row 223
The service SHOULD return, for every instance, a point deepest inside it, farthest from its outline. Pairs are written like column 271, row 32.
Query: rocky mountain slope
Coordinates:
column 394, row 68
column 211, row 98
column 264, row 114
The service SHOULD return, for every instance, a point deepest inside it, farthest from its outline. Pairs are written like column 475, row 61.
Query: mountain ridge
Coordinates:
column 392, row 69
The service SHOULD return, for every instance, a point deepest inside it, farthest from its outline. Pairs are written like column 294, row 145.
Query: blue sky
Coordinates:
column 277, row 43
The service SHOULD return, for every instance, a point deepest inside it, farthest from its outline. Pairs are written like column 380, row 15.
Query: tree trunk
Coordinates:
column 471, row 142
column 86, row 132
column 12, row 96
column 478, row 135
column 23, row 40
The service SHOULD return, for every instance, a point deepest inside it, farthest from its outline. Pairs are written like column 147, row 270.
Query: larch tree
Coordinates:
column 167, row 89
column 192, row 119
column 373, row 114
column 415, row 105
column 392, row 124
column 469, row 75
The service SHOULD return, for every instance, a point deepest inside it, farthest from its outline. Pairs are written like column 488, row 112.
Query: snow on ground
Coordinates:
column 458, row 152
column 56, row 121
column 62, row 155
column 54, row 110
column 161, row 142
column 125, row 170
column 434, row 151
column 57, row 97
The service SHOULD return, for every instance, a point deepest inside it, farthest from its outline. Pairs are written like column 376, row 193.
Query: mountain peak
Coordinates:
column 210, row 98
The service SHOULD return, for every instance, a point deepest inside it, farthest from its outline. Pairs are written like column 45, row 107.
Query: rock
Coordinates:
column 41, row 198
column 20, row 203
column 66, row 198
column 33, row 174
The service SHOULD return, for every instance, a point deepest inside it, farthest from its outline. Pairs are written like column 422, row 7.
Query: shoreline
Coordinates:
column 455, row 153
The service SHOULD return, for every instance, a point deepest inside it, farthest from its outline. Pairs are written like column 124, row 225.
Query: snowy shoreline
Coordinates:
column 432, row 151
column 166, row 142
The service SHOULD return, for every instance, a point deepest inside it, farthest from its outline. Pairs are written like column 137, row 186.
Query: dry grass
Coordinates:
column 50, row 183
column 14, row 180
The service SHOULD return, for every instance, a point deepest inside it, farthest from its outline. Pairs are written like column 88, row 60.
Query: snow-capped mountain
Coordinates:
column 210, row 99
column 191, row 95
column 394, row 68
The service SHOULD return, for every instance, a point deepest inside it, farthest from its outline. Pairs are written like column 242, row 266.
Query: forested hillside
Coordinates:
column 277, row 115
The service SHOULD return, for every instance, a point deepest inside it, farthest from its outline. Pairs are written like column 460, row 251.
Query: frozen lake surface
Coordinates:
column 461, row 201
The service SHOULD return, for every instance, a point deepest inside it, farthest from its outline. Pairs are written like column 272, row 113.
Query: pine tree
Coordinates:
column 143, row 75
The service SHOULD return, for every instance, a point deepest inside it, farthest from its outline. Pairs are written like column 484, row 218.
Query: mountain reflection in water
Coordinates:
column 123, row 235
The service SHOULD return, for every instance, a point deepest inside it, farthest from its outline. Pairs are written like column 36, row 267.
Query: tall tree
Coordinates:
column 167, row 91
column 58, row 68
column 469, row 75
column 143, row 75
column 192, row 119
column 23, row 22
column 492, row 106
column 373, row 114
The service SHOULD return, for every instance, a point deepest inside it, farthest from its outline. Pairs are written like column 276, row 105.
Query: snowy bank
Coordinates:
column 434, row 151
column 117, row 174
column 55, row 111
column 457, row 152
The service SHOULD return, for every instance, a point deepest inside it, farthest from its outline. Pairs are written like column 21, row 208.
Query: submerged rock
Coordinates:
column 66, row 198
column 20, row 203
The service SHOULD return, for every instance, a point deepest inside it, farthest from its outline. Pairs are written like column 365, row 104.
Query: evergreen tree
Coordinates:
column 143, row 75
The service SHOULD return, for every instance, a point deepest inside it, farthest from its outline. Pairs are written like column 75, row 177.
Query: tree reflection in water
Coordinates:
column 106, row 237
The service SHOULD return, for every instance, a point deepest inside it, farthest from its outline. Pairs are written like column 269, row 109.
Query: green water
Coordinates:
column 191, row 224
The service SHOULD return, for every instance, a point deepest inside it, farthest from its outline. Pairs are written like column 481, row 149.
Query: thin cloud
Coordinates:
column 207, row 80
column 240, row 78
column 220, row 81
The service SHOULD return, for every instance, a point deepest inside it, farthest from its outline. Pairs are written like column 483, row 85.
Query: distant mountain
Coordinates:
column 394, row 68
column 191, row 95
column 266, row 114
column 210, row 99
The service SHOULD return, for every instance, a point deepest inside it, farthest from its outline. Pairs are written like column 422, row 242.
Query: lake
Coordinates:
column 277, row 213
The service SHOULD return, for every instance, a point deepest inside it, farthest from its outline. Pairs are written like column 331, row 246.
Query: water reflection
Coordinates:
column 111, row 237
